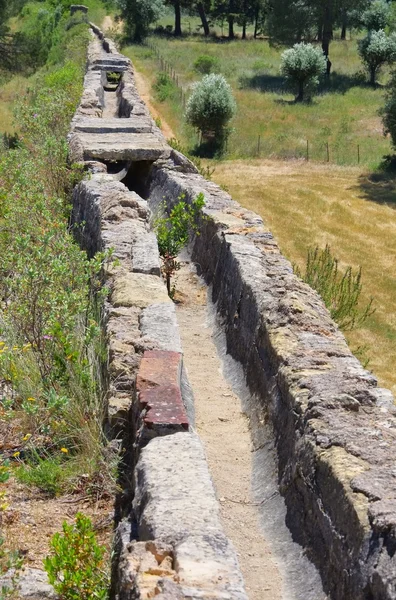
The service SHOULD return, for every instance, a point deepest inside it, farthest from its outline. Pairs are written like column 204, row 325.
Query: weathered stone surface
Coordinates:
column 186, row 488
column 132, row 125
column 334, row 428
column 122, row 146
column 30, row 584
column 158, row 323
column 137, row 289
column 140, row 322
column 145, row 255
column 176, row 504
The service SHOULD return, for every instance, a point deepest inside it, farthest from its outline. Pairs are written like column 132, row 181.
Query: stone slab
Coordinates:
column 123, row 146
column 137, row 289
column 175, row 503
column 134, row 124
column 145, row 255
column 159, row 323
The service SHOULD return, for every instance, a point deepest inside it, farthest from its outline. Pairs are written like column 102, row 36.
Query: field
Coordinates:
column 308, row 205
column 344, row 115
column 303, row 204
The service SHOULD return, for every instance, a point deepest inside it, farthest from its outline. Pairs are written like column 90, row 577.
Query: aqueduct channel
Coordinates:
column 322, row 433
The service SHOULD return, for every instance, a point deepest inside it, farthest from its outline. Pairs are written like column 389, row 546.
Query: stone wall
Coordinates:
column 334, row 428
column 169, row 541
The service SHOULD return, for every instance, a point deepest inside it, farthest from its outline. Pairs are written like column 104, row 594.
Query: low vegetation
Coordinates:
column 51, row 295
column 173, row 233
column 76, row 566
column 339, row 290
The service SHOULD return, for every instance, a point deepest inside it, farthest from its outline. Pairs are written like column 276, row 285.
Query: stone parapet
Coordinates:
column 334, row 428
column 169, row 543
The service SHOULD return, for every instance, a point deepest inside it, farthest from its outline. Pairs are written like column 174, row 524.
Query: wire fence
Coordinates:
column 340, row 152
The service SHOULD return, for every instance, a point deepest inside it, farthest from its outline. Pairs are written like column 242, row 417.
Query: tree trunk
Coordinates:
column 320, row 32
column 373, row 72
column 244, row 31
column 344, row 24
column 300, row 96
column 327, row 32
column 178, row 31
column 256, row 18
column 231, row 34
column 202, row 14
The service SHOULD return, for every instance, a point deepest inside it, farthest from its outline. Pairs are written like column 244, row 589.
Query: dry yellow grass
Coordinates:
column 312, row 204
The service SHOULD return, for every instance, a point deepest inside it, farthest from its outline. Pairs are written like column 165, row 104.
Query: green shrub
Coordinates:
column 75, row 566
column 375, row 50
column 211, row 106
column 302, row 66
column 339, row 291
column 173, row 234
column 206, row 64
column 163, row 87
column 45, row 473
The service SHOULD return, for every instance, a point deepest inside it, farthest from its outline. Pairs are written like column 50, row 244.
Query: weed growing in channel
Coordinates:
column 76, row 565
column 173, row 233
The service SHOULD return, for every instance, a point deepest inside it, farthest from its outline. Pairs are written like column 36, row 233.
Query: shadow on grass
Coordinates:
column 337, row 84
column 380, row 186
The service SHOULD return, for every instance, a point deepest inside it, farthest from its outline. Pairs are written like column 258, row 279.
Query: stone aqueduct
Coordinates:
column 334, row 429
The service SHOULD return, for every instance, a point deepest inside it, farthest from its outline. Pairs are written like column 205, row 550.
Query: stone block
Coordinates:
column 137, row 289
column 145, row 255
column 159, row 323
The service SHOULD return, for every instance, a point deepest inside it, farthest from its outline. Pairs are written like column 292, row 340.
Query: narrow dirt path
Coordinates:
column 224, row 430
column 144, row 92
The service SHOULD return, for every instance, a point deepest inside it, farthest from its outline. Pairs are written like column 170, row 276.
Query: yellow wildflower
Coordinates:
column 16, row 454
column 64, row 450
column 27, row 437
column 31, row 399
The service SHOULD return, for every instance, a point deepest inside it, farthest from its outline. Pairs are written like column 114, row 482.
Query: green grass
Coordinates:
column 344, row 115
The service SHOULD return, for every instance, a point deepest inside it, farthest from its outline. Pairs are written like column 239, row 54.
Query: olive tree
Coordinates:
column 139, row 15
column 375, row 50
column 377, row 15
column 211, row 106
column 302, row 65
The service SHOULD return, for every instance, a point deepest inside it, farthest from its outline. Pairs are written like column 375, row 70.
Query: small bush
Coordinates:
column 206, row 64
column 339, row 291
column 46, row 474
column 302, row 66
column 164, row 87
column 210, row 107
column 375, row 50
column 173, row 233
column 76, row 565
